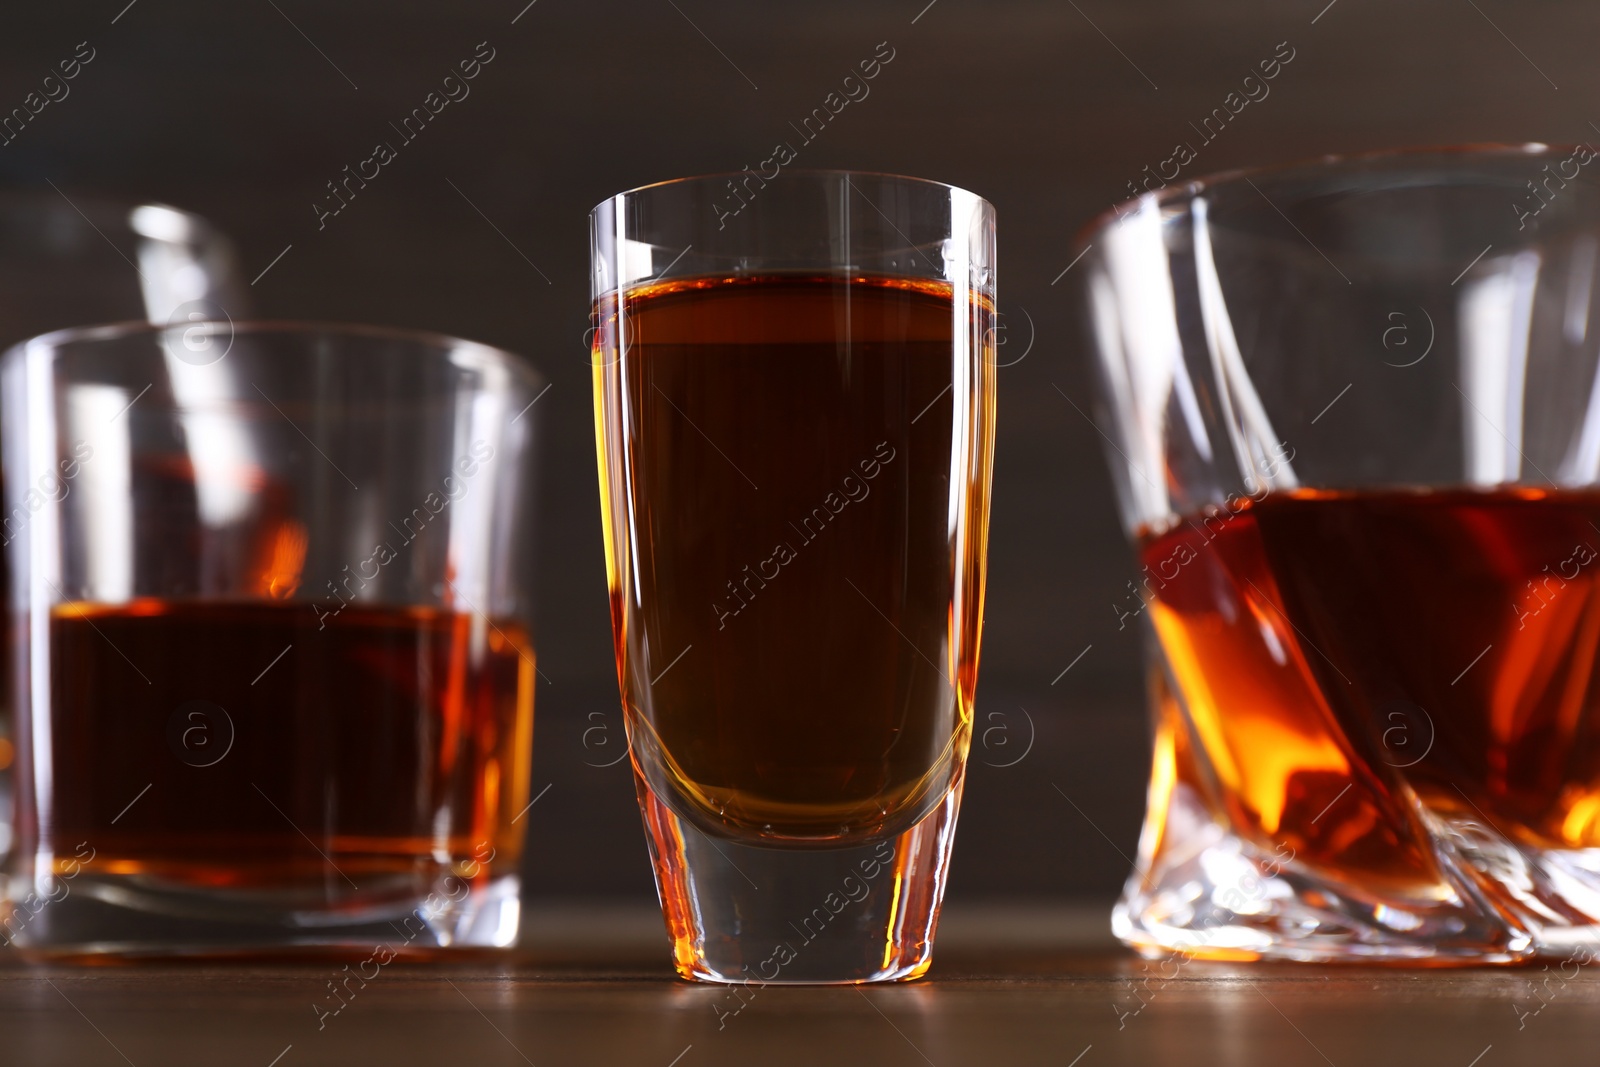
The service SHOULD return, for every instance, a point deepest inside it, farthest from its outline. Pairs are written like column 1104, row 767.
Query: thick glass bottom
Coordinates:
column 1420, row 881
column 135, row 915
column 743, row 913
column 1203, row 892
column 1206, row 893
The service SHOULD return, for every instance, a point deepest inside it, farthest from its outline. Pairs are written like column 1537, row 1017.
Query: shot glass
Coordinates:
column 794, row 409
column 1354, row 416
column 271, row 654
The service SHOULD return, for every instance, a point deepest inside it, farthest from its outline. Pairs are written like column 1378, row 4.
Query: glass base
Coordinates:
column 742, row 913
column 132, row 915
column 1209, row 894
column 1203, row 892
column 1203, row 889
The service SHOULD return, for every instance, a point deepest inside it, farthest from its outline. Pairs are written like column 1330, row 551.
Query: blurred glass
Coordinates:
column 74, row 262
column 71, row 260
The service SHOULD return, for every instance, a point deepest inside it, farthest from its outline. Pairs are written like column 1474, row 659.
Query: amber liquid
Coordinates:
column 796, row 619
column 386, row 749
column 1338, row 653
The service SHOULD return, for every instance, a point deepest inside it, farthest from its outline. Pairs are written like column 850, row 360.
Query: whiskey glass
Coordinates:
column 270, row 639
column 794, row 410
column 1353, row 416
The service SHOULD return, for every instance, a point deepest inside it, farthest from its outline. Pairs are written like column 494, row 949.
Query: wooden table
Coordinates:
column 1012, row 986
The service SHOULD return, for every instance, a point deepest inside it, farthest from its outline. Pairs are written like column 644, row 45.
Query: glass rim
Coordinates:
column 1333, row 162
column 807, row 172
column 114, row 331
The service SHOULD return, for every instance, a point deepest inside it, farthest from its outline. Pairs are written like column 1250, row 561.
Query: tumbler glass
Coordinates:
column 1353, row 411
column 270, row 651
column 794, row 409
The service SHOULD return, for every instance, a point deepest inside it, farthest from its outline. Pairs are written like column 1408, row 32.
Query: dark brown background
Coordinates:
column 230, row 110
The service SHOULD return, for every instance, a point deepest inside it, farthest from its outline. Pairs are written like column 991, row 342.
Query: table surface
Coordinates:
column 1010, row 985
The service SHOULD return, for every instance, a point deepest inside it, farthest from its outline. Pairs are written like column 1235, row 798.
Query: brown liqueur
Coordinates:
column 790, row 445
column 1341, row 652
